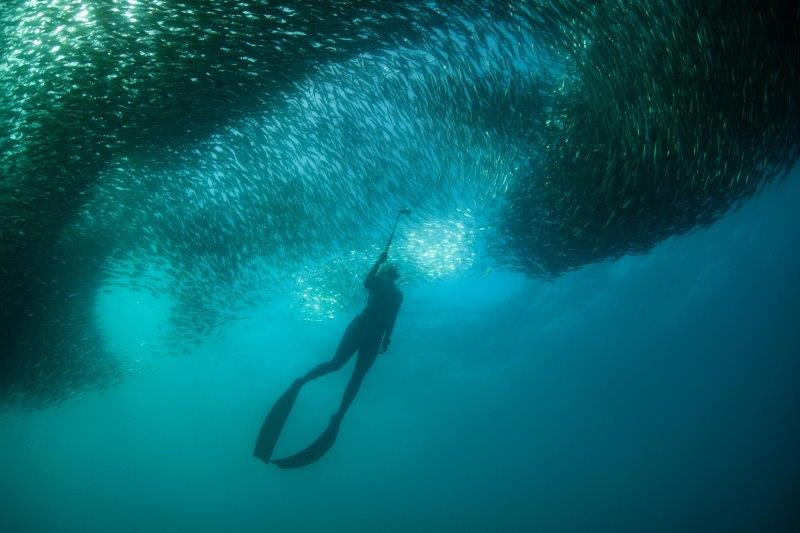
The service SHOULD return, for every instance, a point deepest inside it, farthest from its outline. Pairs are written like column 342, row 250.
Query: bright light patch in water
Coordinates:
column 129, row 10
column 440, row 248
column 83, row 15
column 315, row 302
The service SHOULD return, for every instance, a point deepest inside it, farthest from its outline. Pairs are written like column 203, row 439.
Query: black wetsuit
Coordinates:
column 364, row 334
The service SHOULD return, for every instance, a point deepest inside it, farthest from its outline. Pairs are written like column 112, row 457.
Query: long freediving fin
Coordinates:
column 316, row 450
column 274, row 422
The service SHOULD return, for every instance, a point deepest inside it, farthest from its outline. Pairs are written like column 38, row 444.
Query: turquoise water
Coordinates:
column 601, row 265
column 656, row 392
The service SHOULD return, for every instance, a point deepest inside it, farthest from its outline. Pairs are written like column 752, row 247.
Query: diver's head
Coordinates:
column 388, row 272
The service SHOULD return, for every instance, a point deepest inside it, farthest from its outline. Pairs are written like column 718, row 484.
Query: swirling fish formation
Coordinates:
column 245, row 150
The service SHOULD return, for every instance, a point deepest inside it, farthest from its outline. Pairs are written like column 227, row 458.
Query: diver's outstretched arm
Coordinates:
column 369, row 281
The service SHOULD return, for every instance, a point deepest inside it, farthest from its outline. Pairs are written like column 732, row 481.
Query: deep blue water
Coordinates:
column 656, row 392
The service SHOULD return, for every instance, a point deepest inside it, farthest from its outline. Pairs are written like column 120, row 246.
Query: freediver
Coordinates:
column 369, row 334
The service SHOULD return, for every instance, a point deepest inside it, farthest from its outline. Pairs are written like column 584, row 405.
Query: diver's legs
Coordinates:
column 318, row 448
column 366, row 356
column 347, row 347
column 276, row 418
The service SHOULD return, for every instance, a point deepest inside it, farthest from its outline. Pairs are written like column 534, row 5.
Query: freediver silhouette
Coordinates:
column 369, row 334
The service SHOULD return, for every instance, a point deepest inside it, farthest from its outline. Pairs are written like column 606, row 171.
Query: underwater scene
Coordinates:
column 328, row 265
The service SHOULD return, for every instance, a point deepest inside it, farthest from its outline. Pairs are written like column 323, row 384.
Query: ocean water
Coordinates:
column 653, row 393
column 601, row 267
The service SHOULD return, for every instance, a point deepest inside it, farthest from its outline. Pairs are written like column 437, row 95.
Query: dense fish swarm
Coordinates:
column 251, row 150
column 669, row 113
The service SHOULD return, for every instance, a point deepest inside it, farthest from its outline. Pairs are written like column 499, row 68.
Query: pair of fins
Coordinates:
column 273, row 426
